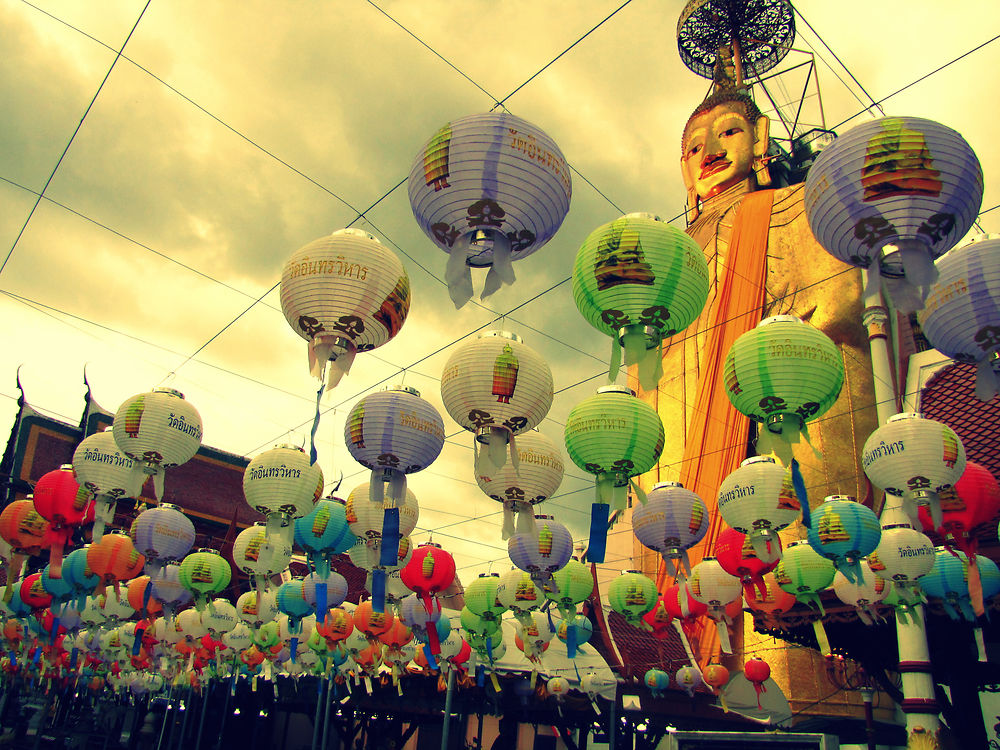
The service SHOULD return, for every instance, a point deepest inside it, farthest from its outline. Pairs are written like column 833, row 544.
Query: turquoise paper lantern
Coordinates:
column 845, row 531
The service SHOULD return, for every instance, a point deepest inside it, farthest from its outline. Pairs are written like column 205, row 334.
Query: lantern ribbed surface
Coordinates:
column 711, row 585
column 102, row 468
column 496, row 381
column 114, row 558
column 972, row 503
column 346, row 285
column 632, row 595
column 537, row 476
column 367, row 555
column 396, row 429
column 281, row 480
column 903, row 554
column 783, row 368
column 168, row 589
column 205, row 572
column 771, row 599
column 545, row 551
column 23, row 527
column 482, row 597
column 60, row 499
column 843, row 530
column 162, row 533
column 257, row 553
column 613, row 432
column 430, row 570
column 219, row 617
column 248, row 609
column 657, row 680
column 891, row 180
column 365, row 517
column 324, row 530
column 869, row 589
column 672, row 520
column 640, row 271
column 159, row 428
column 336, row 589
column 491, row 180
column 803, row 572
column 518, row 593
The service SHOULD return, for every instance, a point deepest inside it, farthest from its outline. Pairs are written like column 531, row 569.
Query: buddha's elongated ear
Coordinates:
column 693, row 208
column 762, row 132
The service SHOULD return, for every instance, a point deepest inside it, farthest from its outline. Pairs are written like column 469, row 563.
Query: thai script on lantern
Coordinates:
column 338, row 265
column 881, row 450
column 800, row 351
column 600, row 423
column 944, row 294
column 736, row 492
column 526, row 145
column 178, row 423
column 274, row 472
column 415, row 422
column 539, row 459
column 915, row 551
column 113, row 459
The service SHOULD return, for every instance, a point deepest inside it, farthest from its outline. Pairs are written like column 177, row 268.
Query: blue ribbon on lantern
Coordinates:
column 72, row 657
column 800, row 492
column 378, row 589
column 571, row 640
column 321, row 601
column 315, row 425
column 390, row 536
column 598, row 532
column 431, row 661
column 480, row 675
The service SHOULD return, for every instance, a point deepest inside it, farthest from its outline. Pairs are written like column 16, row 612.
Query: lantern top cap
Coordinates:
column 642, row 215
column 544, row 518
column 779, row 319
column 489, row 575
column 833, row 498
column 66, row 467
column 903, row 416
column 500, row 335
column 757, row 460
column 167, row 506
column 209, row 551
column 400, row 388
column 354, row 232
column 431, row 544
column 887, row 527
column 289, row 447
column 168, row 391
column 616, row 389
column 662, row 485
column 627, row 572
column 798, row 543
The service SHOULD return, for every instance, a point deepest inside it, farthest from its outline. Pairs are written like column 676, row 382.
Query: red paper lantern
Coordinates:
column 716, row 675
column 757, row 671
column 737, row 557
column 64, row 503
column 686, row 610
column 972, row 502
column 429, row 571
column 33, row 593
column 114, row 558
column 337, row 625
column 24, row 529
column 771, row 599
column 659, row 619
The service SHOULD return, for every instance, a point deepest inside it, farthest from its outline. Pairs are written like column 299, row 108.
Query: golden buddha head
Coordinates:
column 724, row 143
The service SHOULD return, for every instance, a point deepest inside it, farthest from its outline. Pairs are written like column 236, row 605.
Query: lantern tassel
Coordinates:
column 502, row 270
column 508, row 522
column 378, row 589
column 724, row 642
column 799, row 484
column 598, row 532
column 821, row 638
column 336, row 369
column 640, row 493
column 987, row 380
column 525, row 517
column 13, row 573
column 458, row 273
column 389, row 553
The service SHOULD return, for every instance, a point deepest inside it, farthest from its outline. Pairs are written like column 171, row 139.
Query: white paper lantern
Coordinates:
column 488, row 189
column 903, row 556
column 344, row 294
column 258, row 556
column 239, row 638
column 219, row 617
column 101, row 467
column 518, row 593
column 961, row 317
column 897, row 191
column 543, row 551
column 158, row 430
column 496, row 387
column 364, row 517
column 862, row 594
column 914, row 458
column 758, row 499
column 715, row 588
column 189, row 624
column 255, row 608
column 282, row 484
column 537, row 476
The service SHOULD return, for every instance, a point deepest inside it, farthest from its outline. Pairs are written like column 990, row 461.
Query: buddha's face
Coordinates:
column 719, row 148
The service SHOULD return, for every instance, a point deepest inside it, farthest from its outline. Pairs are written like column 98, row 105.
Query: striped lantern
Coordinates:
column 162, row 534
column 496, row 387
column 543, row 551
column 324, row 591
column 219, row 617
column 759, row 499
column 101, row 467
column 536, row 476
column 844, row 531
column 961, row 317
column 657, row 681
column 239, row 638
column 782, row 374
column 640, row 280
column 903, row 556
column 533, row 637
column 715, row 588
column 158, row 430
column 863, row 593
column 476, row 625
column 948, row 580
column 738, row 558
column 771, row 599
column 899, row 192
column 283, row 484
column 291, row 600
column 518, row 593
column 632, row 595
column 803, row 572
column 427, row 626
column 140, row 596
column 916, row 459
column 614, row 436
column 204, row 573
column 967, row 508
column 393, row 433
column 488, row 189
column 259, row 557
column 324, row 532
column 344, row 293
column 671, row 522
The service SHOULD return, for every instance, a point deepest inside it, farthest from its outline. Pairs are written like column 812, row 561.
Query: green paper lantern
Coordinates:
column 571, row 585
column 640, row 280
column 782, row 374
column 203, row 573
column 482, row 599
column 473, row 624
column 803, row 573
column 614, row 436
column 632, row 595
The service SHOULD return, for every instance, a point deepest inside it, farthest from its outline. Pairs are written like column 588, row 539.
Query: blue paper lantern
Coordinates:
column 844, row 531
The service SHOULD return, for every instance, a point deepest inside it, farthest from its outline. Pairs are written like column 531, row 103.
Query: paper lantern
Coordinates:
column 427, row 624
column 672, row 520
column 863, row 593
column 949, row 579
column 632, row 595
column 101, row 467
column 640, row 280
column 542, row 552
column 169, row 591
column 496, row 387
column 162, row 534
column 475, row 625
column 715, row 588
column 896, row 192
column 203, row 573
column 614, row 436
column 429, row 571
column 255, row 608
column 678, row 603
column 738, row 558
column 536, row 476
column 844, row 531
column 114, row 604
column 715, row 677
column 571, row 585
column 967, row 508
column 291, row 601
column 659, row 620
column 81, row 579
column 259, row 557
column 903, row 556
column 482, row 597
column 689, row 679
column 771, row 600
column 158, row 430
column 574, row 633
column 532, row 637
column 59, row 589
column 372, row 623
column 64, row 503
column 961, row 317
column 24, row 529
column 33, row 593
column 114, row 558
column 324, row 532
column 518, row 593
column 759, row 499
column 488, row 189
column 757, row 671
column 803, row 572
column 783, row 374
column 345, row 293
column 914, row 458
column 657, row 681
column 283, row 484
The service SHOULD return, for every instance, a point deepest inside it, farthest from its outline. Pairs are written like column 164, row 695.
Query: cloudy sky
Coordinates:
column 230, row 134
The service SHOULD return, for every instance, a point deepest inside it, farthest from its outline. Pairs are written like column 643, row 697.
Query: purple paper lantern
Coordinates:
column 672, row 520
column 543, row 552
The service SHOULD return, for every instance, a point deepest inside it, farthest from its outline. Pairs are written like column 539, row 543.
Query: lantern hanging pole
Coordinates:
column 447, row 710
column 919, row 703
column 204, row 709
column 166, row 716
